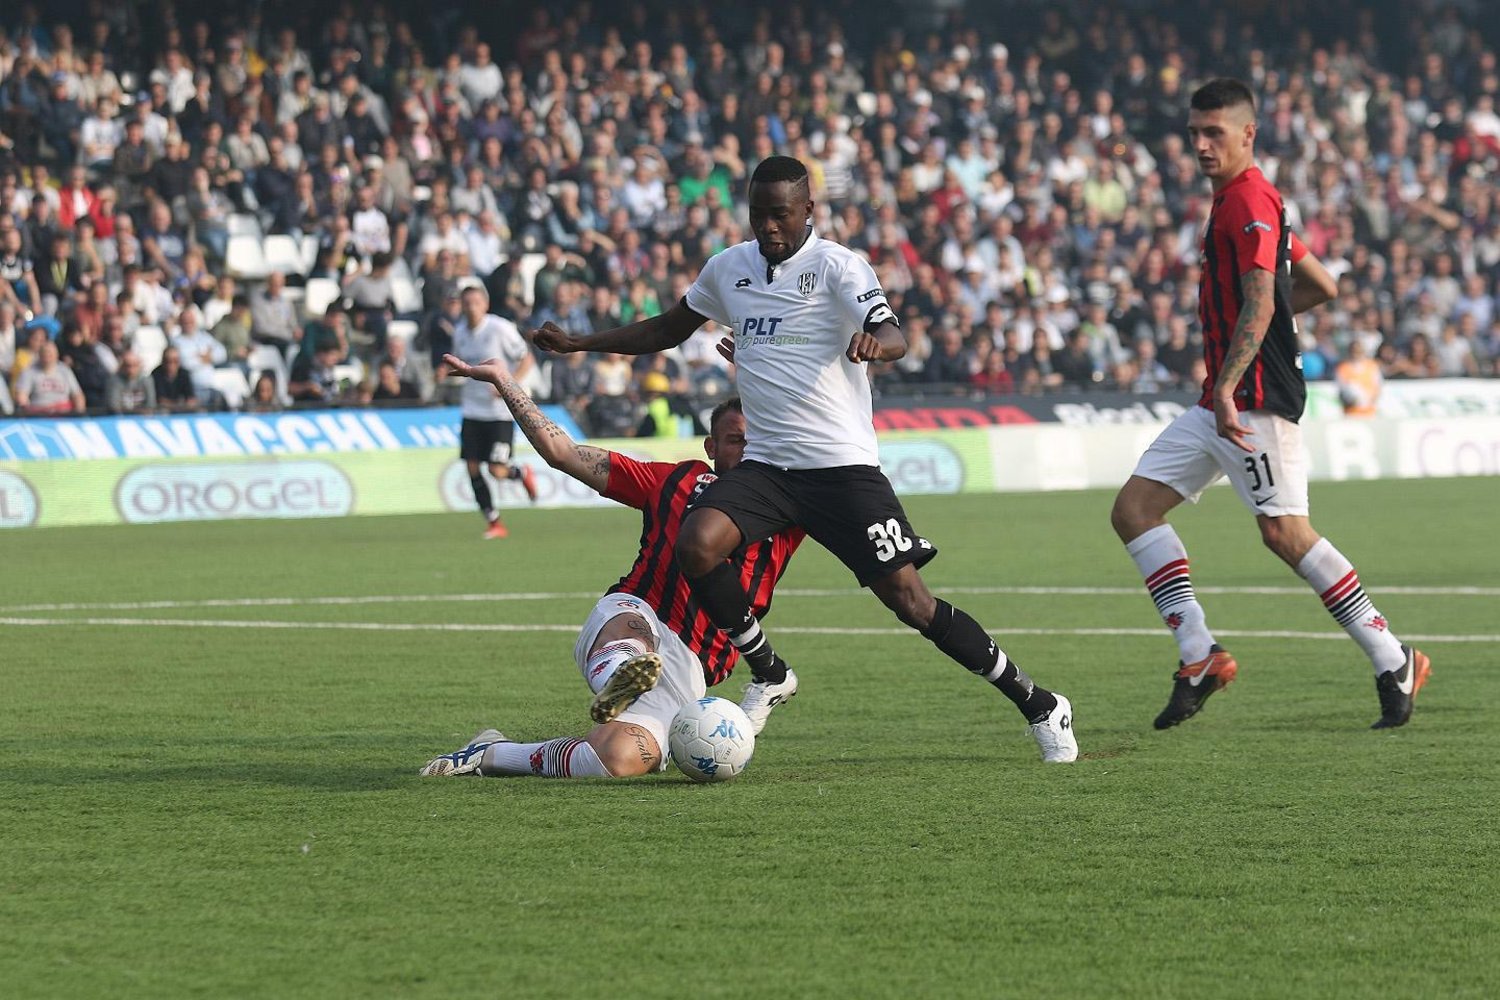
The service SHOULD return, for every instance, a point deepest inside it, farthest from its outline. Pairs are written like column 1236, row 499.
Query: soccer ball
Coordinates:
column 711, row 739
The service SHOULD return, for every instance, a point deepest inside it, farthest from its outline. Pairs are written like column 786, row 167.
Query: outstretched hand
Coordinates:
column 1227, row 419
column 490, row 370
column 555, row 339
column 725, row 347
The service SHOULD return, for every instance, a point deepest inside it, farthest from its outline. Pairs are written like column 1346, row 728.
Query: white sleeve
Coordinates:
column 512, row 345
column 861, row 297
column 703, row 298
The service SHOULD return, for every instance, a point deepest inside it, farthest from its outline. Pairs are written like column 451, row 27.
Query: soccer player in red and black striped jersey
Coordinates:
column 647, row 649
column 1256, row 276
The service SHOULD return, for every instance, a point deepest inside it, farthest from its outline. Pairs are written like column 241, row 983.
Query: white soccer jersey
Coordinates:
column 495, row 338
column 807, row 406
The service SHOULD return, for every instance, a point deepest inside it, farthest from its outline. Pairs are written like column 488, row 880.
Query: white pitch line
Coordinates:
column 579, row 595
column 786, row 630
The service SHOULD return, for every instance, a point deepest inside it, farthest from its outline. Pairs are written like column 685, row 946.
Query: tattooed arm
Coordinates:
column 590, row 466
column 1258, row 293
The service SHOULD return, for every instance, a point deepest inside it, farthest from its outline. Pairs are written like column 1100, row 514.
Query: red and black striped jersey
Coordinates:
column 1248, row 229
column 662, row 492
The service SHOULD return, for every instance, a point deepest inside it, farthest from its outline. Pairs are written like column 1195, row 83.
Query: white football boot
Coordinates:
column 759, row 699
column 465, row 761
column 1054, row 734
column 630, row 680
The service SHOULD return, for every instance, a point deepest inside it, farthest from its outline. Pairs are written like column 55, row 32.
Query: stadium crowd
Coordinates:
column 296, row 202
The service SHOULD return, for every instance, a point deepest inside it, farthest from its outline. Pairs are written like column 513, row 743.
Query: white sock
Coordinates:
column 1333, row 577
column 1163, row 563
column 560, row 758
column 604, row 661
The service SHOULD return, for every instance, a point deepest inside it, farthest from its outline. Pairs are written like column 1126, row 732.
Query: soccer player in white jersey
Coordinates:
column 807, row 314
column 488, row 432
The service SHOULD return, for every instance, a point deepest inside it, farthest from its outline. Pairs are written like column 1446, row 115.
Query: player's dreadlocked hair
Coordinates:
column 730, row 405
column 779, row 168
column 1224, row 92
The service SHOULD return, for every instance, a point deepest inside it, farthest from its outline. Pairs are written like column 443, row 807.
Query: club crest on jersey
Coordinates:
column 807, row 281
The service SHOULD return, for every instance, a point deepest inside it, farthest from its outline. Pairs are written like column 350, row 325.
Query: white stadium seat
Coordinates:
column 530, row 264
column 244, row 224
column 404, row 294
column 232, row 385
column 309, row 247
column 148, row 343
column 401, row 329
column 321, row 293
column 283, row 254
column 245, row 258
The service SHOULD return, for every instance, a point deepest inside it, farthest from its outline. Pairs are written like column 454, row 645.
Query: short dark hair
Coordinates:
column 730, row 405
column 1223, row 92
column 774, row 169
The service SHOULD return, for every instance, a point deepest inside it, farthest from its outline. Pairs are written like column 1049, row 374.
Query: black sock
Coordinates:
column 722, row 597
column 482, row 496
column 962, row 639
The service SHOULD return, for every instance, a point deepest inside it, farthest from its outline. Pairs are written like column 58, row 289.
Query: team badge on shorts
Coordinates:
column 806, row 282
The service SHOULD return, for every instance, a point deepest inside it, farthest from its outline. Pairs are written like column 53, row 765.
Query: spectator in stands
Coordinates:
column 163, row 242
column 80, row 353
column 390, row 388
column 131, row 390
column 372, row 305
column 1076, row 364
column 198, row 352
column 11, row 339
column 313, row 378
column 17, row 275
column 46, row 387
column 273, row 317
column 209, row 208
column 233, row 331
column 330, row 332
column 948, row 363
column 58, row 279
column 263, row 396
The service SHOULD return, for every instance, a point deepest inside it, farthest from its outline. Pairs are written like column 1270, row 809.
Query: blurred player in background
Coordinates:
column 488, row 432
column 647, row 649
column 1256, row 275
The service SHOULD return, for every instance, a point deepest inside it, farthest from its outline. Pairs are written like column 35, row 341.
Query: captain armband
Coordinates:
column 879, row 313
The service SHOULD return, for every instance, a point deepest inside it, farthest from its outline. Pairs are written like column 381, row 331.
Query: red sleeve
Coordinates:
column 632, row 483
column 1299, row 250
column 1252, row 222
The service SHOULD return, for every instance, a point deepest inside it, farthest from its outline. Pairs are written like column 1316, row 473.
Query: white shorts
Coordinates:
column 681, row 676
column 1189, row 456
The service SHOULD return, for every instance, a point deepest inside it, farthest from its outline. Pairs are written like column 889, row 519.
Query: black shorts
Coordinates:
column 851, row 511
column 486, row 441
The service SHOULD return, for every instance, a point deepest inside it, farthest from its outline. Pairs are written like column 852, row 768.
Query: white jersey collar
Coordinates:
column 812, row 237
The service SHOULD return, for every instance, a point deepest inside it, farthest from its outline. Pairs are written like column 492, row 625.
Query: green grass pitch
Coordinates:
column 216, row 811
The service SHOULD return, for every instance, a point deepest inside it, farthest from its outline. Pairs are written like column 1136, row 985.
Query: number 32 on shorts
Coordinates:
column 888, row 538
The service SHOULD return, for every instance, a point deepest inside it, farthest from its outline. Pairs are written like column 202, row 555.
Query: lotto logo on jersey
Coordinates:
column 759, row 331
